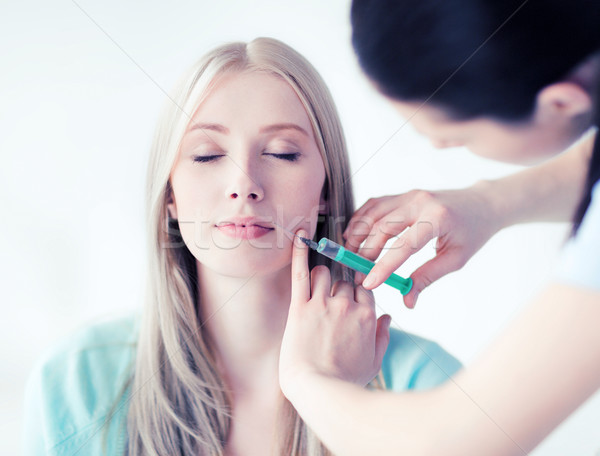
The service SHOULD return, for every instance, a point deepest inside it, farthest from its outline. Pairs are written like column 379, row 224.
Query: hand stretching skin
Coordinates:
column 331, row 331
column 540, row 369
column 463, row 220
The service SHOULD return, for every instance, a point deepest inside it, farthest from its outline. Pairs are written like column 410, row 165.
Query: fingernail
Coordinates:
column 369, row 281
column 296, row 239
column 414, row 303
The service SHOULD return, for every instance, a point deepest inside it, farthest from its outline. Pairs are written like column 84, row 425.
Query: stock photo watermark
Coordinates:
column 277, row 232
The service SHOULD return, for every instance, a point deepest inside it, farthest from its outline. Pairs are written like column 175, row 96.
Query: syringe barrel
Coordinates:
column 338, row 253
column 329, row 248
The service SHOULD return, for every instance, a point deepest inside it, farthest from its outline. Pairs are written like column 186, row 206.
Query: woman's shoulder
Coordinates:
column 413, row 362
column 76, row 382
column 579, row 261
column 87, row 352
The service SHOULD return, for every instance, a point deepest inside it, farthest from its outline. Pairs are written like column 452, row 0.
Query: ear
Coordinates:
column 171, row 206
column 563, row 98
column 323, row 204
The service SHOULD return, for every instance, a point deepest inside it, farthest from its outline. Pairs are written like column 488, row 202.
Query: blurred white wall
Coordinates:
column 81, row 87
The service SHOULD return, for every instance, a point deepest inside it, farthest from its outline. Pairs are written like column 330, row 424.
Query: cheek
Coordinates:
column 195, row 200
column 192, row 191
column 299, row 197
column 514, row 148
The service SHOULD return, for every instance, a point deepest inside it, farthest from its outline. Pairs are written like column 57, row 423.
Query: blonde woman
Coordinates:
column 249, row 139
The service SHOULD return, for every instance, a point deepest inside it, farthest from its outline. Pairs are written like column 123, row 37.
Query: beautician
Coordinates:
column 516, row 81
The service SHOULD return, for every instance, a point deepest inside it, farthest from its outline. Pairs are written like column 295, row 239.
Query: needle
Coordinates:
column 312, row 244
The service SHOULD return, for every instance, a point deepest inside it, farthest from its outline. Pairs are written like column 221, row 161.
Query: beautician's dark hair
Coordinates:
column 477, row 57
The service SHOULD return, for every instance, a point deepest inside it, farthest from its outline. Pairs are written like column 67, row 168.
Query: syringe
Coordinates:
column 350, row 259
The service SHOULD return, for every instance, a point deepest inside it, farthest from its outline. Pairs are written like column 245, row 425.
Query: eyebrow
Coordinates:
column 268, row 129
column 211, row 126
column 283, row 126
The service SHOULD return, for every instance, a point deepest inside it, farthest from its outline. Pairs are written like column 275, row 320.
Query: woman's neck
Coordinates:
column 245, row 319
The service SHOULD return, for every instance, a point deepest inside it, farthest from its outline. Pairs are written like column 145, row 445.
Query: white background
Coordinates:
column 81, row 86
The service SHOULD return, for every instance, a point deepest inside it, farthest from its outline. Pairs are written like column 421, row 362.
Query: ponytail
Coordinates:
column 594, row 168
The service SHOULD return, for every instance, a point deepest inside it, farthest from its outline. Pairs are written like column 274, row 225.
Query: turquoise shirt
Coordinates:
column 71, row 392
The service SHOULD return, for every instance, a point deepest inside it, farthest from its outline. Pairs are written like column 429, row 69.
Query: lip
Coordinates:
column 244, row 227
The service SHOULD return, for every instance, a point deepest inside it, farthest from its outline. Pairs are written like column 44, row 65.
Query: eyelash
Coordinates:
column 291, row 157
column 205, row 158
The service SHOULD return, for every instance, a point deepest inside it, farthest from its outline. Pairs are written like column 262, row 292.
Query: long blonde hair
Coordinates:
column 180, row 404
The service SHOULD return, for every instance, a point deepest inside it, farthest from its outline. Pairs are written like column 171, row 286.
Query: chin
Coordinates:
column 238, row 265
column 524, row 157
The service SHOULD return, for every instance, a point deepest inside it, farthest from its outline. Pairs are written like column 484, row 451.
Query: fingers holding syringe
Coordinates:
column 367, row 220
column 443, row 263
column 381, row 232
column 413, row 240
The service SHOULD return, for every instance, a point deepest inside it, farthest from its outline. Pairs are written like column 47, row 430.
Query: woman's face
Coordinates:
column 248, row 158
column 522, row 143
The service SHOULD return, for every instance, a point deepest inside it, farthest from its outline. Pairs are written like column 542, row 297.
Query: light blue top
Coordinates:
column 71, row 391
column 579, row 263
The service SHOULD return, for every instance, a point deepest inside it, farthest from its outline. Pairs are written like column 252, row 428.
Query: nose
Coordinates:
column 445, row 144
column 251, row 195
column 244, row 184
column 439, row 143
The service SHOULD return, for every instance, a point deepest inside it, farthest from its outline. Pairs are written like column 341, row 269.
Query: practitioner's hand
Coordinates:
column 462, row 220
column 331, row 331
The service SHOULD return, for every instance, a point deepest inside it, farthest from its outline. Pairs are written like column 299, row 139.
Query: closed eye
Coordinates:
column 287, row 156
column 206, row 158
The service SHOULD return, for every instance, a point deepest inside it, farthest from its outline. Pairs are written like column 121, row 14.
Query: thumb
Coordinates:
column 410, row 242
column 300, row 272
column 428, row 273
column 382, row 338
